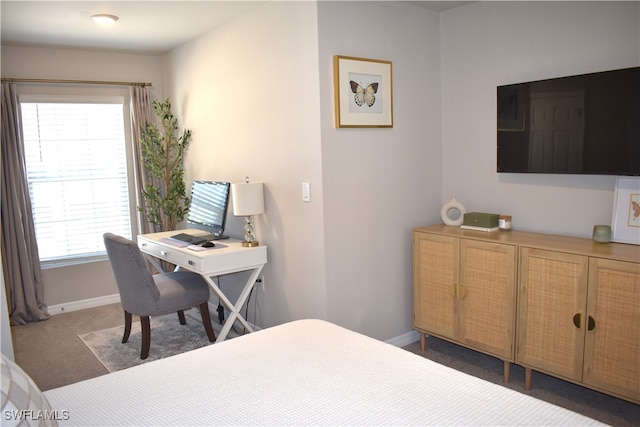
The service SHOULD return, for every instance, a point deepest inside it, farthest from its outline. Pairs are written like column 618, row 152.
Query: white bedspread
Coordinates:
column 307, row 372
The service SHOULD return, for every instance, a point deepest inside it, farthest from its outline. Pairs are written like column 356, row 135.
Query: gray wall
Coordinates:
column 379, row 183
column 258, row 96
column 487, row 44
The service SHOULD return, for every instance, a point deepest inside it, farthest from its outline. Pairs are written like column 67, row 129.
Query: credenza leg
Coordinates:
column 423, row 341
column 507, row 371
column 527, row 378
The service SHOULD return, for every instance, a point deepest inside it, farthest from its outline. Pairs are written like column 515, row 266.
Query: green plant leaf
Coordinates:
column 166, row 202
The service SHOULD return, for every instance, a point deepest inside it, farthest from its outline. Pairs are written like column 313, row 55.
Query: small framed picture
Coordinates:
column 625, row 225
column 363, row 93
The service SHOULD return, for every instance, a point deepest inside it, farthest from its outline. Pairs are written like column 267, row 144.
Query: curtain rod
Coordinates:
column 87, row 82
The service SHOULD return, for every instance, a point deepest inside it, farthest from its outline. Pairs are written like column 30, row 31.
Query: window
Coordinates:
column 76, row 158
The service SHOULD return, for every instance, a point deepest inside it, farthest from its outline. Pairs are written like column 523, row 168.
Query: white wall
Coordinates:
column 379, row 183
column 487, row 44
column 93, row 280
column 249, row 93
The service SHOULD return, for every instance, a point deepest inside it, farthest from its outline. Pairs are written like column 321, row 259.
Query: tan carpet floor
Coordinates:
column 51, row 352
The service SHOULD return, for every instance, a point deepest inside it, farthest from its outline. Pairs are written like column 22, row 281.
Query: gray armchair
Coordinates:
column 147, row 295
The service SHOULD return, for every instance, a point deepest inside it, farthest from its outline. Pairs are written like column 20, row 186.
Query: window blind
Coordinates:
column 76, row 162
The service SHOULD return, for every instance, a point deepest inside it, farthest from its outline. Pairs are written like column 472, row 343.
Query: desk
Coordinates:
column 228, row 256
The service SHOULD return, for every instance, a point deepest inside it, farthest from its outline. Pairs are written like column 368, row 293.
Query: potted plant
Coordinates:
column 166, row 202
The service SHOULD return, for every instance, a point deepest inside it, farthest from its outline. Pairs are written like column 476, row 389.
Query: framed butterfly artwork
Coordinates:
column 625, row 225
column 363, row 92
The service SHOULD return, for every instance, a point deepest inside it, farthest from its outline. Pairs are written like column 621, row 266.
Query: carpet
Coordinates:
column 168, row 338
column 605, row 408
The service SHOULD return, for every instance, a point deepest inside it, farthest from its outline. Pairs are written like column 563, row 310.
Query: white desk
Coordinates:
column 228, row 256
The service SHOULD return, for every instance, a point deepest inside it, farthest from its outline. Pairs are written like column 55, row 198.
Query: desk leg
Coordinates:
column 234, row 309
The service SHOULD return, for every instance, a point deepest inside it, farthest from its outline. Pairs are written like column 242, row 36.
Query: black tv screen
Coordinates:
column 584, row 124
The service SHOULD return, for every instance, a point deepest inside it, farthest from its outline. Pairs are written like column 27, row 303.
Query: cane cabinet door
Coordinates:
column 435, row 277
column 552, row 308
column 612, row 348
column 464, row 290
column 487, row 297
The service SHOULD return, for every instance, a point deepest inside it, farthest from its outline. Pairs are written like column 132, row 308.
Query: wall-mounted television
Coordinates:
column 583, row 124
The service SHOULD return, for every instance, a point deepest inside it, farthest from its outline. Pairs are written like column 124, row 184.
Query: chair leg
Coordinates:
column 146, row 336
column 183, row 321
column 206, row 321
column 127, row 326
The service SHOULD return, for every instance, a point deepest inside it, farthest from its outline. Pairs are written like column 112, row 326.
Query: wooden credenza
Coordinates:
column 565, row 306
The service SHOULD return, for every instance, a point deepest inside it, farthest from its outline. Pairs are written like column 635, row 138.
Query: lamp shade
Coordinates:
column 248, row 198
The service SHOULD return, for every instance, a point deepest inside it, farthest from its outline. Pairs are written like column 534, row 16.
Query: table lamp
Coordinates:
column 248, row 200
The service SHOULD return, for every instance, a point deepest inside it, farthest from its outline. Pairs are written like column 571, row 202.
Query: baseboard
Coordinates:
column 115, row 298
column 404, row 339
column 82, row 304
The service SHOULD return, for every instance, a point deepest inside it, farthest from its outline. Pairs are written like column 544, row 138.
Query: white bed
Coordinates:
column 306, row 372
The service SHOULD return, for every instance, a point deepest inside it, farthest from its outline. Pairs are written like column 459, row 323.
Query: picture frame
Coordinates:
column 363, row 92
column 625, row 224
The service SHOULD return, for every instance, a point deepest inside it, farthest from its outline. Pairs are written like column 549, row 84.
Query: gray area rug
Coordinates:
column 168, row 338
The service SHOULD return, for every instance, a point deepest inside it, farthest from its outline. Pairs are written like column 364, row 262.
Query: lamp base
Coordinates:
column 249, row 244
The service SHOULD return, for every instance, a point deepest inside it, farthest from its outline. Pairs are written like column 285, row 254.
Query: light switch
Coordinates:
column 306, row 192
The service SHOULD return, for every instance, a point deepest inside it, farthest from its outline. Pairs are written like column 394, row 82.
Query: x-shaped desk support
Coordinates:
column 234, row 309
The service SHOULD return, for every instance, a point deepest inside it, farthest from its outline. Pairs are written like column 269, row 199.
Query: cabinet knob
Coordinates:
column 577, row 320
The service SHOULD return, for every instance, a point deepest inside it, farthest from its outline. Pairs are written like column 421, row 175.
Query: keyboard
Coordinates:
column 184, row 237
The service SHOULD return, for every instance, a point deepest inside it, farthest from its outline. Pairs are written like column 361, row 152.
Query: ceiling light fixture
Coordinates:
column 105, row 19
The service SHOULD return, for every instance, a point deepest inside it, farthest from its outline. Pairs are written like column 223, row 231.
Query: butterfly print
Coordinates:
column 636, row 209
column 364, row 95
